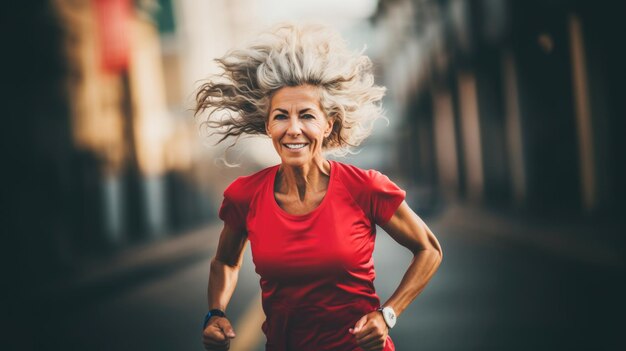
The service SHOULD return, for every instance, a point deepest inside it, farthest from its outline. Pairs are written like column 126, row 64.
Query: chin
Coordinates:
column 294, row 162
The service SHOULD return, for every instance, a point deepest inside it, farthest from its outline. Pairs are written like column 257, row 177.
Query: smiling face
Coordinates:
column 297, row 124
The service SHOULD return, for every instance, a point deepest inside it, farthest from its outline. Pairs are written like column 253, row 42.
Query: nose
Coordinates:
column 294, row 128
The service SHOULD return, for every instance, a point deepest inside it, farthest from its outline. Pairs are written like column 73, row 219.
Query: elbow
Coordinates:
column 438, row 254
column 437, row 257
column 217, row 263
column 434, row 246
column 434, row 254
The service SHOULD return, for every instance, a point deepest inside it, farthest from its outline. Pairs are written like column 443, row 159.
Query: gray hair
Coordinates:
column 293, row 55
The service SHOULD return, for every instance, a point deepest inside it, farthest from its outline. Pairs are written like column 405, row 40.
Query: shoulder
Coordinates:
column 366, row 185
column 355, row 177
column 243, row 188
column 373, row 191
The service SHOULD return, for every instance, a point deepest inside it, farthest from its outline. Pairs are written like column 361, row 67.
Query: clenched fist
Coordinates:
column 217, row 334
column 371, row 332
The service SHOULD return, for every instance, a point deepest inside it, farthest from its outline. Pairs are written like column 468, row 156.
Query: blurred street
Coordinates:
column 504, row 124
column 506, row 283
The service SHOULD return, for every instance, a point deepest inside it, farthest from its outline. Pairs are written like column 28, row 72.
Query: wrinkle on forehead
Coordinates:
column 297, row 98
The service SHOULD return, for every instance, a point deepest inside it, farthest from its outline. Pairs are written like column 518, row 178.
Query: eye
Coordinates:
column 280, row 116
column 308, row 116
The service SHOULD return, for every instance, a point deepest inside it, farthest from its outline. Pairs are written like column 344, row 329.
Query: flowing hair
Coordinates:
column 237, row 100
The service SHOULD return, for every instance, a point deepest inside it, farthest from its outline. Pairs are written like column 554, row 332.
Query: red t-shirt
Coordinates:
column 317, row 272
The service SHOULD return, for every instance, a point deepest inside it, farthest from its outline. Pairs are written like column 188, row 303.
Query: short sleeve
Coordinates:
column 385, row 197
column 234, row 208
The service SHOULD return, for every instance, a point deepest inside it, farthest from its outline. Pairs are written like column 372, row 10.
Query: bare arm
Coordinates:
column 222, row 282
column 410, row 231
column 225, row 267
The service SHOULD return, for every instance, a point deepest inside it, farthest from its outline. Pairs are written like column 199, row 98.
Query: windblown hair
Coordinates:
column 238, row 100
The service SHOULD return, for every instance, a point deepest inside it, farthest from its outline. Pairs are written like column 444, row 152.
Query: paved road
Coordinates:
column 503, row 285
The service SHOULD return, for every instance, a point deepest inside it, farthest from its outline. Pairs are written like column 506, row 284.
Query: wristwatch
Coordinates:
column 211, row 313
column 389, row 315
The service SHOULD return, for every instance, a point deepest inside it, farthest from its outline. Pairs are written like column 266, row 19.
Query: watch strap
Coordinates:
column 212, row 313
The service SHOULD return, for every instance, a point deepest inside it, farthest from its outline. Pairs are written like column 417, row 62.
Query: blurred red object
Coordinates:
column 113, row 23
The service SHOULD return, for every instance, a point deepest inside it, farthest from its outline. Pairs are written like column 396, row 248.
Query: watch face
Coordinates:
column 390, row 316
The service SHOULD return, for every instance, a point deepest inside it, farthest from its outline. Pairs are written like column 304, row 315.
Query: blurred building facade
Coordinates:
column 104, row 152
column 509, row 103
column 127, row 121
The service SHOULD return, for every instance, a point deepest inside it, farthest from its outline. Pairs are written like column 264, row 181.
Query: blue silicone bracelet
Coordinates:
column 211, row 313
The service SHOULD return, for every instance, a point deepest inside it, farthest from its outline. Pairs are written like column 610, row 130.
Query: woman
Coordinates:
column 310, row 221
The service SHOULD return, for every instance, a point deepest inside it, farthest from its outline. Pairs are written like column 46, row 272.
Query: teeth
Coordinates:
column 295, row 146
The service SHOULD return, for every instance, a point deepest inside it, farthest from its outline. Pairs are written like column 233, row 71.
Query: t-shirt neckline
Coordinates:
column 319, row 207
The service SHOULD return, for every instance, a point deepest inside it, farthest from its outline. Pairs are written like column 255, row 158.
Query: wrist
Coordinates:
column 215, row 312
column 389, row 315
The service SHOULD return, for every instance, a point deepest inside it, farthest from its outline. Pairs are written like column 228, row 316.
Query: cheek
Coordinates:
column 316, row 131
column 274, row 130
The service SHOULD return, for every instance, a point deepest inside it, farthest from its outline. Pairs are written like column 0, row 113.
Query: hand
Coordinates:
column 217, row 334
column 371, row 331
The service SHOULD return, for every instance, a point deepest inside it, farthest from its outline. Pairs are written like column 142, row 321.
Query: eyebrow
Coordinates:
column 285, row 111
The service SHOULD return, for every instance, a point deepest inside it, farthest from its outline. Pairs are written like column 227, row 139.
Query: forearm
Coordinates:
column 222, row 283
column 423, row 266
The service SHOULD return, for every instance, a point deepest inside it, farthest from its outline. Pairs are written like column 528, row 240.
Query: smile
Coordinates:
column 295, row 146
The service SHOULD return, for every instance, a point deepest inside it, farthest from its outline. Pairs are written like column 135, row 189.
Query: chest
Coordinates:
column 336, row 236
column 293, row 204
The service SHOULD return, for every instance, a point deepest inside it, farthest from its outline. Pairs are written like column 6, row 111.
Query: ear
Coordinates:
column 329, row 126
column 267, row 130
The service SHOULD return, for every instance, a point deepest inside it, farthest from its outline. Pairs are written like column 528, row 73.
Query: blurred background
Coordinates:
column 506, row 128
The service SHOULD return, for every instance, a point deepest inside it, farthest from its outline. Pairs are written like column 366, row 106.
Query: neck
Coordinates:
column 311, row 177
